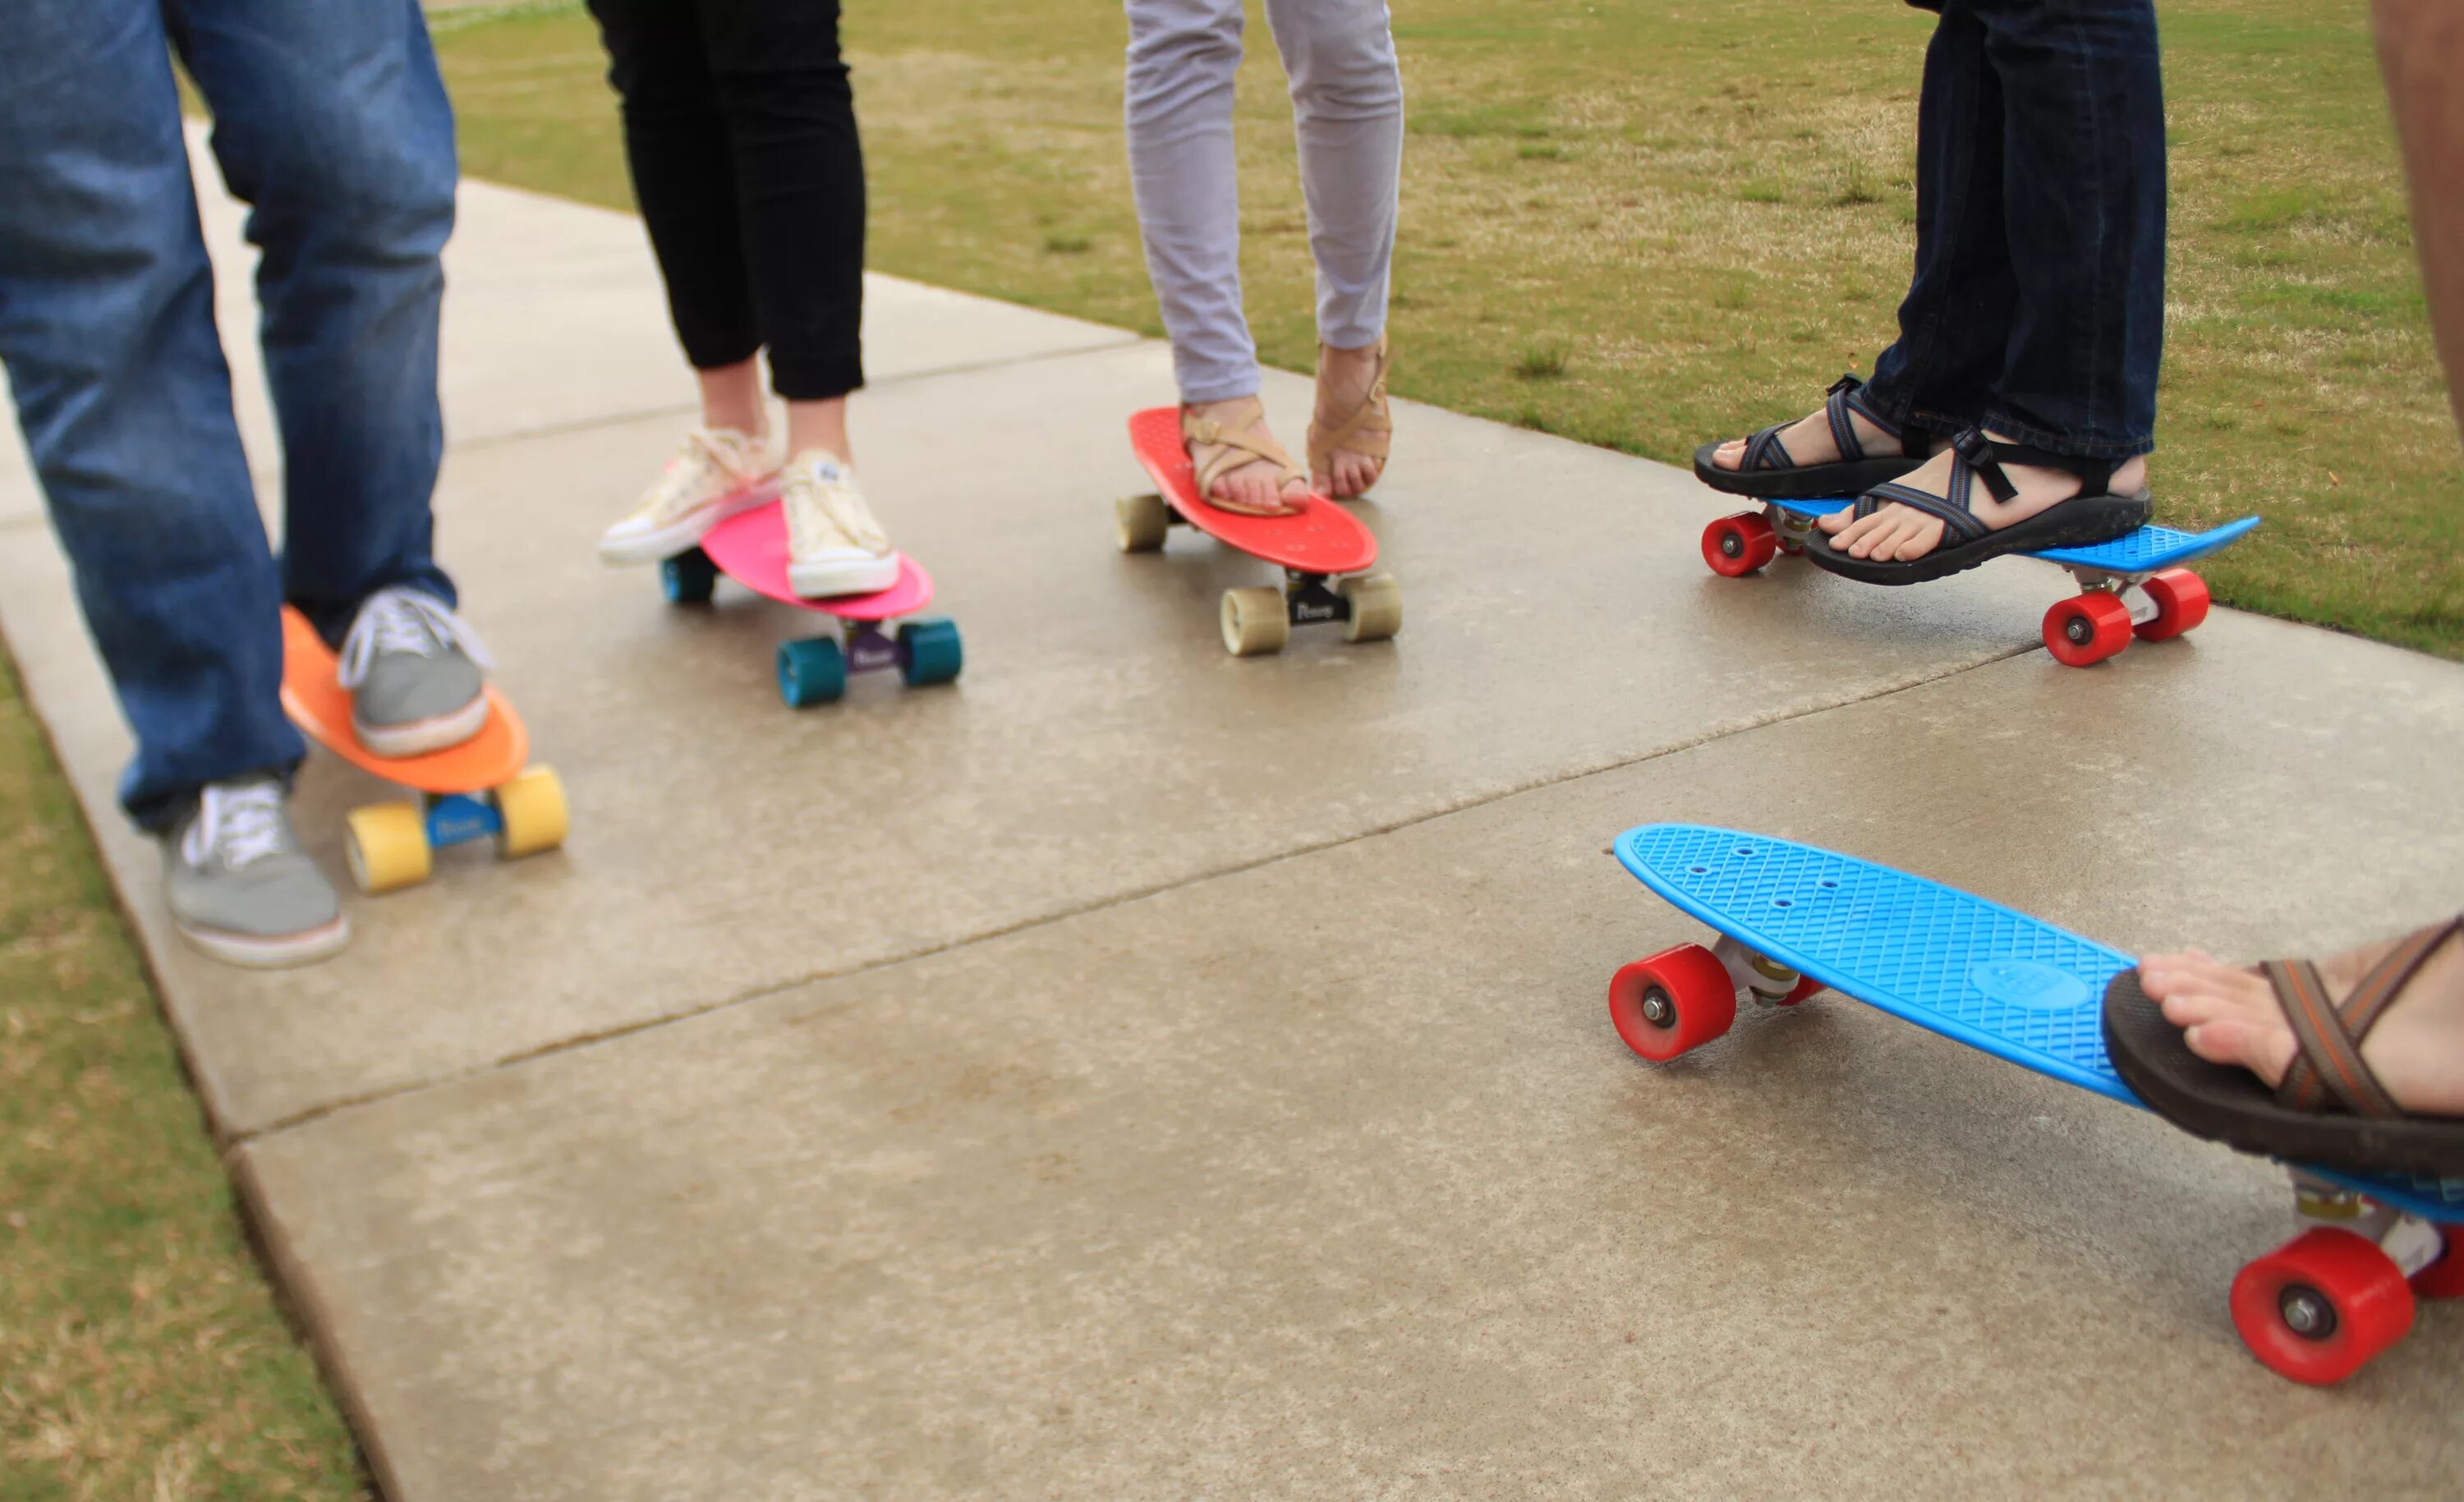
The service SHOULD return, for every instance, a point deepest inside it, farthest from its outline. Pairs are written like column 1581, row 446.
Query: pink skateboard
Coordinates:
column 750, row 548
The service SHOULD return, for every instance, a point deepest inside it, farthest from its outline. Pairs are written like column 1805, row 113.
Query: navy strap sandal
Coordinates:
column 1768, row 473
column 2092, row 515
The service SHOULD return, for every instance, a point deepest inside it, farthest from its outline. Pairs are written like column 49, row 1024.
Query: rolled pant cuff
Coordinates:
column 815, row 379
column 2018, row 432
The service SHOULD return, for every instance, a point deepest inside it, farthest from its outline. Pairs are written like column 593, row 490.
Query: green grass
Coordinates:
column 141, row 1354
column 1705, row 206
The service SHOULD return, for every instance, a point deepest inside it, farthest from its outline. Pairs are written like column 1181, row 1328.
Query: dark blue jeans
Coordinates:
column 330, row 121
column 2037, row 309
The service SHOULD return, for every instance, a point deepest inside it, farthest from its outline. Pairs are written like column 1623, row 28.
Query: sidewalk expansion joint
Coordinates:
column 232, row 1142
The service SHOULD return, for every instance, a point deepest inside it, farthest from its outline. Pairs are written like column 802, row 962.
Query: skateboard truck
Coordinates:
column 1770, row 983
column 1258, row 620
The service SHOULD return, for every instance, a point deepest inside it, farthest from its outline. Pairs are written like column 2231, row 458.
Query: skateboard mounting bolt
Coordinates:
column 2306, row 1314
column 1656, row 1009
column 2079, row 630
column 1731, row 545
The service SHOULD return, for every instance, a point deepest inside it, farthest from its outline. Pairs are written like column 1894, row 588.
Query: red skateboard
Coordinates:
column 478, row 790
column 1323, row 551
column 750, row 548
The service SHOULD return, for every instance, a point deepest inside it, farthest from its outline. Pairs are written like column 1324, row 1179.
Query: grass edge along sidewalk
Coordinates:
column 142, row 1351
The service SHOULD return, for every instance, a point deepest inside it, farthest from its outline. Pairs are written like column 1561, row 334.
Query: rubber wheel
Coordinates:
column 386, row 846
column 2319, row 1307
column 811, row 672
column 2087, row 629
column 2444, row 1279
column 1736, row 546
column 688, row 578
column 1141, row 522
column 929, row 652
column 1806, row 985
column 1255, row 622
column 1376, row 608
column 533, row 811
column 1676, row 1000
column 2181, row 604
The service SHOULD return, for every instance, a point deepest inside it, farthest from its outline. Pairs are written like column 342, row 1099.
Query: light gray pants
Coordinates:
column 1348, row 114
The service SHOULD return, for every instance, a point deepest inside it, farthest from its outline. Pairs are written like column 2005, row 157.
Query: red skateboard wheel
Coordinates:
column 2319, row 1307
column 1736, row 546
column 1676, row 1000
column 2087, row 628
column 2180, row 600
column 2444, row 1279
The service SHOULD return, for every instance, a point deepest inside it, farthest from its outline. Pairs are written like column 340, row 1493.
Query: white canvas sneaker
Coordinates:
column 834, row 545
column 715, row 474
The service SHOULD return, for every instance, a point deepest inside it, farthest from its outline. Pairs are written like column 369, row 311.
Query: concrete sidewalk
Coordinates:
column 1137, row 1073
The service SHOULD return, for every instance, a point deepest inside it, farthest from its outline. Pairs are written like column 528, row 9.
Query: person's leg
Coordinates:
column 1348, row 117
column 2421, row 55
column 331, row 122
column 783, row 91
column 2228, row 1012
column 683, row 166
column 107, row 327
column 1176, row 102
column 799, row 173
column 1933, row 377
column 2083, row 199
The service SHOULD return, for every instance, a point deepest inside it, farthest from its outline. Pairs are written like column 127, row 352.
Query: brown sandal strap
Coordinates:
column 2362, row 1010
column 1353, row 435
column 1235, row 447
column 2329, row 1063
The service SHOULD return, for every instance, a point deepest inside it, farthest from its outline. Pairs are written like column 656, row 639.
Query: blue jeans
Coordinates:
column 331, row 122
column 2038, row 308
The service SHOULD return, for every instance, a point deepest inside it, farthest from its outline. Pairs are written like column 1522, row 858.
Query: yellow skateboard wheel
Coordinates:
column 387, row 845
column 533, row 808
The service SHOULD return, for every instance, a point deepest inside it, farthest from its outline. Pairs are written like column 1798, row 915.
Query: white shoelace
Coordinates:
column 240, row 824
column 400, row 618
column 680, row 484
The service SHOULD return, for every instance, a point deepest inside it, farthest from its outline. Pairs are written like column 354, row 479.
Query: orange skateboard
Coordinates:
column 1323, row 551
column 478, row 790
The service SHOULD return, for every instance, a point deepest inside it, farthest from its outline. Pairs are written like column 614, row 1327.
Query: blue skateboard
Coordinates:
column 1794, row 920
column 2131, row 587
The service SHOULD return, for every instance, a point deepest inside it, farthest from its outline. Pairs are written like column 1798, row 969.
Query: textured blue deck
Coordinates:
column 2141, row 551
column 2014, row 986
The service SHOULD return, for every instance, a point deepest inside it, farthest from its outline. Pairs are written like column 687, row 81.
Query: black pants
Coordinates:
column 739, row 126
column 2037, row 309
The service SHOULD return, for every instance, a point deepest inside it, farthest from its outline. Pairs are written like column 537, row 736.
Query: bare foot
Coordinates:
column 1902, row 531
column 1256, row 485
column 1346, row 380
column 2229, row 1015
column 1808, row 441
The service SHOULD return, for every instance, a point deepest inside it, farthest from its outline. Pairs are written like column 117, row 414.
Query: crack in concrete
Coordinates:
column 236, row 1142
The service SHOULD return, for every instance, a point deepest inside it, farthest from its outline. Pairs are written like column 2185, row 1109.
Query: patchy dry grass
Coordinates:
column 141, row 1356
column 1703, row 206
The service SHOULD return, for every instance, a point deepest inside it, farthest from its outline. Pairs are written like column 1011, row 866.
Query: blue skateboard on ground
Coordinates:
column 1794, row 920
column 2131, row 587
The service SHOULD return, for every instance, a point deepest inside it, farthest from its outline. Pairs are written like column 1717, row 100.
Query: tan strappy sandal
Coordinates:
column 1235, row 445
column 1367, row 431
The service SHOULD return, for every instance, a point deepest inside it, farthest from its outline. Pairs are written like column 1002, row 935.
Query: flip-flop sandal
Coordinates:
column 2331, row 1110
column 1234, row 447
column 2094, row 516
column 1366, row 432
column 1767, row 473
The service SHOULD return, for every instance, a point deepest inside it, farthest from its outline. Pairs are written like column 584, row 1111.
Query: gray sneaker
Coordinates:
column 239, row 888
column 417, row 675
